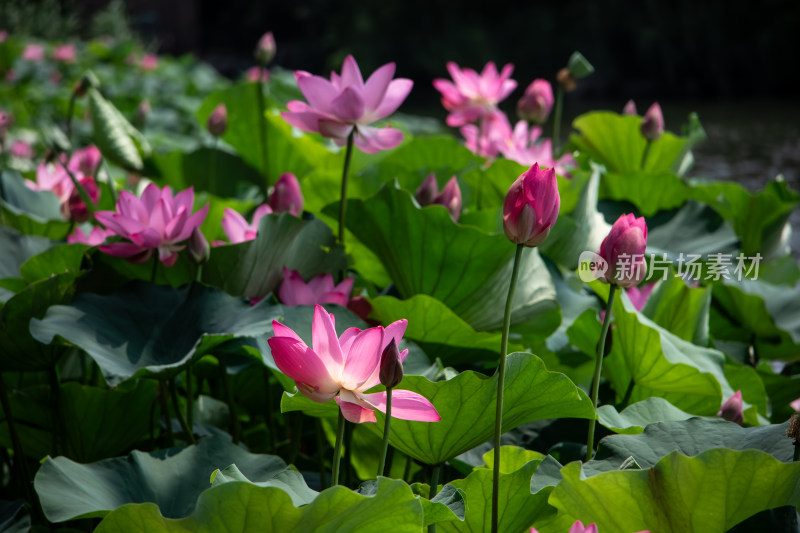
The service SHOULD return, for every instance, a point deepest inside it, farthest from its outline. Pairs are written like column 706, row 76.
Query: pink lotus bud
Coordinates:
column 75, row 209
column 33, row 52
column 286, row 196
column 427, row 191
column 630, row 109
column 623, row 250
column 21, row 149
column 65, row 53
column 149, row 62
column 218, row 120
column 531, row 206
column 85, row 160
column 653, row 123
column 265, row 51
column 361, row 308
column 450, row 198
column 142, row 110
column 537, row 102
column 198, row 248
column 256, row 73
column 732, row 409
column 391, row 369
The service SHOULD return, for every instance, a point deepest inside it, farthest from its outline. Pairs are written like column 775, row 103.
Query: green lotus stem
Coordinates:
column 601, row 348
column 189, row 398
column 162, row 398
column 345, row 171
column 78, row 187
column 297, row 435
column 55, row 398
column 19, row 455
column 320, row 456
column 501, row 377
column 557, row 119
column 226, row 388
column 407, row 469
column 273, row 437
column 262, row 130
column 437, row 470
column 386, row 429
column 337, row 450
column 628, row 393
column 646, row 152
column 173, row 393
column 348, row 454
column 70, row 111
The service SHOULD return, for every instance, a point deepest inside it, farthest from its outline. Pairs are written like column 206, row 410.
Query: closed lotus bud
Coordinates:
column 537, row 102
column 198, row 247
column 286, row 196
column 218, row 121
column 531, row 206
column 623, row 250
column 391, row 371
column 427, row 191
column 732, row 409
column 653, row 123
column 630, row 109
column 450, row 198
column 265, row 51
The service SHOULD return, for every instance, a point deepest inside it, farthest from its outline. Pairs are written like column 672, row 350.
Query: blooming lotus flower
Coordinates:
column 733, row 410
column 65, row 53
column 320, row 290
column 537, row 102
column 33, row 52
column 525, row 147
column 96, row 236
column 578, row 527
column 86, row 160
column 198, row 247
column 623, row 250
column 652, row 123
column 345, row 368
column 485, row 139
column 236, row 227
column 21, row 149
column 266, row 48
column 149, row 62
column 630, row 108
column 531, row 206
column 158, row 221
column 254, row 73
column 346, row 102
column 470, row 95
column 218, row 121
column 286, row 196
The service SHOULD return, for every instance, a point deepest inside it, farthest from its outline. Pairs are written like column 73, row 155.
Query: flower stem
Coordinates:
column 87, row 200
column 55, row 398
column 20, row 461
column 189, row 398
column 437, row 469
column 557, row 119
column 162, row 398
column 70, row 111
column 386, row 425
column 498, row 417
column 262, row 129
column 226, row 387
column 646, row 152
column 345, row 171
column 273, row 437
column 601, row 348
column 337, row 450
column 323, row 483
column 173, row 393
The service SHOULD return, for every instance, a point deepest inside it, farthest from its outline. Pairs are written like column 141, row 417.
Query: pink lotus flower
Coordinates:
column 236, row 227
column 21, row 149
column 286, row 196
column 630, row 109
column 485, row 139
column 638, row 297
column 346, row 102
column 96, row 236
column 531, row 207
column 733, row 409
column 345, row 368
column 470, row 96
column 653, row 123
column 623, row 250
column 795, row 405
column 578, row 527
column 86, row 160
column 149, row 62
column 266, row 48
column 537, row 102
column 33, row 52
column 3, row 36
column 64, row 53
column 526, row 148
column 75, row 208
column 156, row 221
column 450, row 197
column 320, row 290
column 6, row 120
column 218, row 121
column 253, row 74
